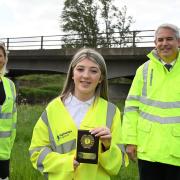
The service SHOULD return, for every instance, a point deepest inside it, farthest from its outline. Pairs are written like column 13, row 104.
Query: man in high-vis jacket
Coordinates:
column 151, row 122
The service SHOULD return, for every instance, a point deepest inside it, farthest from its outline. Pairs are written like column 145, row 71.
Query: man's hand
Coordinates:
column 131, row 150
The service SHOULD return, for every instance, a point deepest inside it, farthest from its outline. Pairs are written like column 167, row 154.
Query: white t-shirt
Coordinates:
column 77, row 108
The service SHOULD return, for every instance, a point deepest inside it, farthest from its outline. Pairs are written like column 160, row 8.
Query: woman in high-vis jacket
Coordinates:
column 83, row 104
column 8, row 115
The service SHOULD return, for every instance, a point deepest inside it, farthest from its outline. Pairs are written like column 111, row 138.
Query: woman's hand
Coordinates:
column 105, row 135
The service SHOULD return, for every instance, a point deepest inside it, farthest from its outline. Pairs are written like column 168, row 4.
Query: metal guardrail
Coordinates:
column 139, row 38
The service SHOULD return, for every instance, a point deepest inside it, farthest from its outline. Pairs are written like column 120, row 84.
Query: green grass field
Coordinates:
column 21, row 168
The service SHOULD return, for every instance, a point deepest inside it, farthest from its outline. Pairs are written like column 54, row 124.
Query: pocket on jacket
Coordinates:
column 143, row 134
column 175, row 142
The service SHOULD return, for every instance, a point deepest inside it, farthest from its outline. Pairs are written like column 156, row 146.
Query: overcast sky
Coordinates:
column 19, row 18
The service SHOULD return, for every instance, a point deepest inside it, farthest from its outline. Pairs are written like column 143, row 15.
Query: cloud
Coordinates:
column 150, row 14
column 27, row 18
column 37, row 17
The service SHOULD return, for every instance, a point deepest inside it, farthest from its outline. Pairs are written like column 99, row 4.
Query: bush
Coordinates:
column 34, row 89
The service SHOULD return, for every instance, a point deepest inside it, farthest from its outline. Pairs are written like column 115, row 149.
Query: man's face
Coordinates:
column 166, row 43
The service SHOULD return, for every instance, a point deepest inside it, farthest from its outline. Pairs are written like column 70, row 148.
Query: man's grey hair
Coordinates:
column 169, row 26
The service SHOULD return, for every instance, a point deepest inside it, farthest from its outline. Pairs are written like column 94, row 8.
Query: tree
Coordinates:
column 79, row 19
column 94, row 23
column 122, row 26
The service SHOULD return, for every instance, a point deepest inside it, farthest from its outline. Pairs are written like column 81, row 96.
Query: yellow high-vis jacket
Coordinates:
column 53, row 145
column 152, row 112
column 8, row 118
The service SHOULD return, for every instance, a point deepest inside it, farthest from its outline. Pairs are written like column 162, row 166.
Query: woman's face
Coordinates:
column 2, row 59
column 86, row 76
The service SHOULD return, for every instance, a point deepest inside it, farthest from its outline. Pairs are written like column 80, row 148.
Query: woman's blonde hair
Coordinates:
column 3, row 71
column 92, row 55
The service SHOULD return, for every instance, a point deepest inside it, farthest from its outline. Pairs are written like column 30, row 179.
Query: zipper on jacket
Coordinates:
column 151, row 77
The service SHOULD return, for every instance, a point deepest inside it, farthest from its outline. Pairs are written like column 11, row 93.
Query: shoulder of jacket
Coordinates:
column 8, row 79
column 107, row 102
column 53, row 103
column 141, row 67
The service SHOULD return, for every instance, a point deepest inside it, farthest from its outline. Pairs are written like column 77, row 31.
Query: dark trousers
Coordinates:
column 4, row 168
column 157, row 171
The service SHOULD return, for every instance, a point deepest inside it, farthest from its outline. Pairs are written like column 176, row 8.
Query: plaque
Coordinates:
column 87, row 147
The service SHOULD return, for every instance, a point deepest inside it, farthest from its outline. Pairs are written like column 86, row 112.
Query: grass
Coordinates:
column 21, row 167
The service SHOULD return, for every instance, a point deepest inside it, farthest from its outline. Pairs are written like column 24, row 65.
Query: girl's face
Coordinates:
column 2, row 59
column 86, row 76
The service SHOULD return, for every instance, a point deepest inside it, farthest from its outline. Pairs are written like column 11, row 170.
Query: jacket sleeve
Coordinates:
column 131, row 110
column 112, row 159
column 42, row 156
column 14, row 119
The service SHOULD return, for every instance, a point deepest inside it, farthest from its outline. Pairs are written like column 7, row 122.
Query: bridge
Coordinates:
column 48, row 54
column 123, row 53
column 121, row 62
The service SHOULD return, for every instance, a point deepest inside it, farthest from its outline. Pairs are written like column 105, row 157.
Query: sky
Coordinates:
column 22, row 18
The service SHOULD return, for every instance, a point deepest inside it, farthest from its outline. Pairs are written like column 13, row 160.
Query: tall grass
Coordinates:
column 21, row 168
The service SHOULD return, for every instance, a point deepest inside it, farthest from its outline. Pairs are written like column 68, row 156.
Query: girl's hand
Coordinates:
column 105, row 135
column 75, row 164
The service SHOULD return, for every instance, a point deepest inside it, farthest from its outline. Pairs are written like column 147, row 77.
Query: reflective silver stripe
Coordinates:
column 14, row 108
column 154, row 103
column 5, row 116
column 41, row 158
column 162, row 120
column 131, row 108
column 13, row 94
column 145, row 73
column 4, row 134
column 132, row 97
column 51, row 138
column 123, row 151
column 66, row 147
column 36, row 149
column 111, row 110
column 14, row 126
column 44, row 117
column 160, row 104
column 12, row 89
